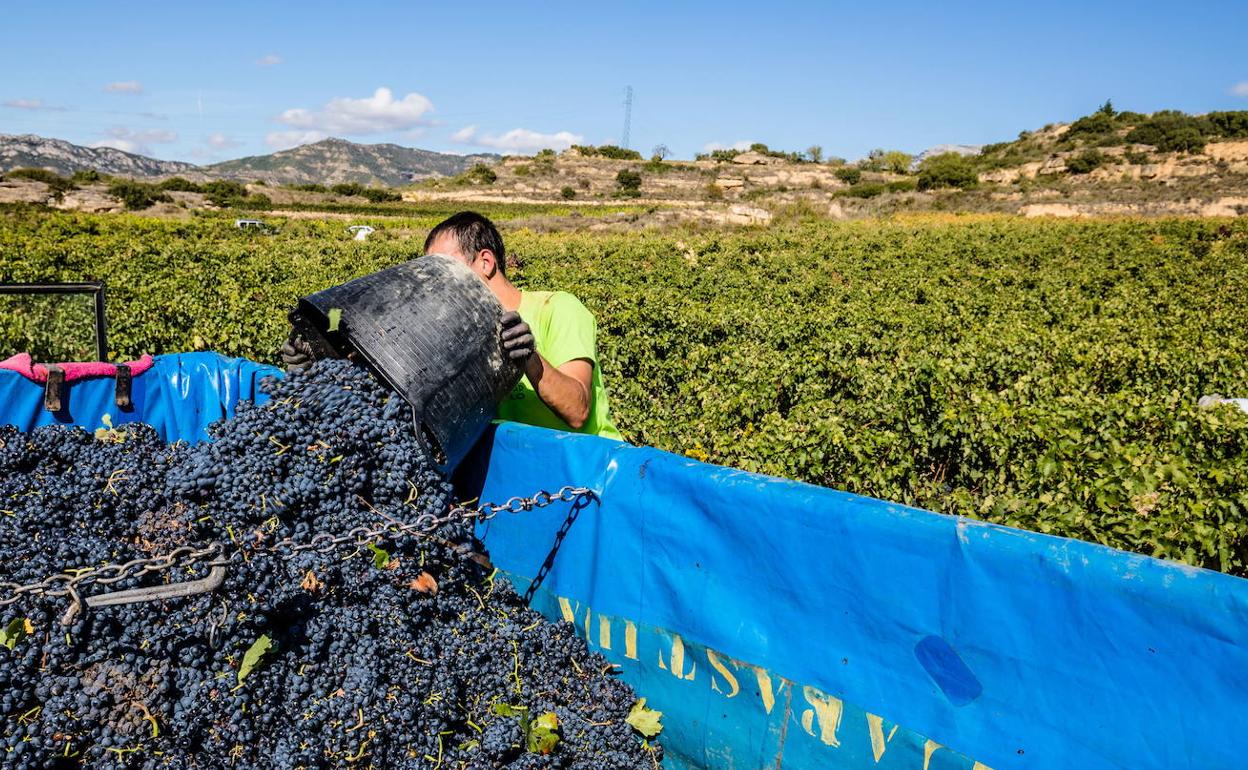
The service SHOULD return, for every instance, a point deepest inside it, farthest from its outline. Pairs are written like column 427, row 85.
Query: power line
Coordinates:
column 628, row 115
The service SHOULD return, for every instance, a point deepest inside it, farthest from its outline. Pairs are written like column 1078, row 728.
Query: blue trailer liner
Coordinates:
column 782, row 625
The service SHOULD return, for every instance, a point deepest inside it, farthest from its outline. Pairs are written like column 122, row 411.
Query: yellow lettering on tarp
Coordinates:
column 604, row 632
column 929, row 749
column 569, row 612
column 827, row 712
column 980, row 766
column 566, row 609
column 630, row 640
column 878, row 742
column 678, row 660
column 764, row 688
column 717, row 664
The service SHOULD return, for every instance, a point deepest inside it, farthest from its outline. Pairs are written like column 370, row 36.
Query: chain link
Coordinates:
column 71, row 583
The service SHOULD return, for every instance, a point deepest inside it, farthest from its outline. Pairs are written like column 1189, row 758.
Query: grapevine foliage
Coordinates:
column 1040, row 374
column 315, row 660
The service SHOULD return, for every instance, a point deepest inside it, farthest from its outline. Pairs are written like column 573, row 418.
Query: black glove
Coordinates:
column 517, row 338
column 296, row 353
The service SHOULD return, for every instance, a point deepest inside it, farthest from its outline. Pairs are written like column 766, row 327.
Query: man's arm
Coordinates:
column 565, row 389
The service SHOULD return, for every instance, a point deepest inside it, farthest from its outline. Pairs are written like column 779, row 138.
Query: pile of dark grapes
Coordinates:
column 404, row 652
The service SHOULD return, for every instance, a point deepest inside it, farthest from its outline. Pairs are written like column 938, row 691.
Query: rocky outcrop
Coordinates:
column 30, row 151
column 327, row 162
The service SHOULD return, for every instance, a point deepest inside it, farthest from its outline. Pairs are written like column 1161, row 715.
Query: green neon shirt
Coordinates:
column 563, row 330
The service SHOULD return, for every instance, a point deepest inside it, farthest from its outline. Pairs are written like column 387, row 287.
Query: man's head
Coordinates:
column 472, row 239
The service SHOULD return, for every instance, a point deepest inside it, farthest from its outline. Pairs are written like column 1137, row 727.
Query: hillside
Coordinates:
column 1108, row 163
column 30, row 151
column 334, row 161
column 331, row 161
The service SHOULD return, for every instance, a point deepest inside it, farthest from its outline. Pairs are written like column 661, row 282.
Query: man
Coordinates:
column 551, row 334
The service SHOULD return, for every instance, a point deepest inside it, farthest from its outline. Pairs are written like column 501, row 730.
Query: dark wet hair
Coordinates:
column 473, row 232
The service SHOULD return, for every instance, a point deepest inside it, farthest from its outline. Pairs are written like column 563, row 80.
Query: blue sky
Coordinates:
column 204, row 82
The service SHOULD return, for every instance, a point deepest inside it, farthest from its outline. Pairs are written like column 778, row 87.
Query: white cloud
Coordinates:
column 219, row 141
column 269, row 60
column 31, row 104
column 284, row 140
column 125, row 87
column 740, row 145
column 519, row 140
column 137, row 142
column 159, row 135
column 1240, row 88
column 125, row 145
column 374, row 114
column 464, row 135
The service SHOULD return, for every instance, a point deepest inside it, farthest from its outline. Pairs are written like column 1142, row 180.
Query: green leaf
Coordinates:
column 543, row 734
column 381, row 557
column 508, row 710
column 17, row 630
column 252, row 657
column 645, row 720
column 335, row 318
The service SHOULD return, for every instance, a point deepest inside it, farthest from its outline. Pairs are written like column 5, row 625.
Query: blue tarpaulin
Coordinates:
column 180, row 396
column 782, row 625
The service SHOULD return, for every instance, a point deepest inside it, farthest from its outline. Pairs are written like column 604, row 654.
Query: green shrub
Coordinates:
column 316, row 188
column 611, row 151
column 544, row 163
column 1136, row 158
column 903, row 185
column 848, row 174
column 1171, row 131
column 864, row 190
column 348, row 188
column 522, row 169
column 1086, row 162
column 136, row 196
column 1229, row 125
column 947, row 170
column 34, row 175
column 57, row 184
column 381, row 195
column 897, row 161
column 257, row 201
column 87, row 176
column 567, row 193
column 225, row 193
column 480, row 174
column 628, row 184
column 1093, row 125
column 178, row 184
column 719, row 156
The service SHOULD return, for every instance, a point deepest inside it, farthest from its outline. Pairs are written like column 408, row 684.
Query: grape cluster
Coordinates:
column 407, row 652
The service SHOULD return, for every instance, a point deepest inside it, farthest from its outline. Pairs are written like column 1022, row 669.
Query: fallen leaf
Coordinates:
column 645, row 720
column 424, row 583
column 311, row 584
column 251, row 658
column 381, row 557
column 543, row 734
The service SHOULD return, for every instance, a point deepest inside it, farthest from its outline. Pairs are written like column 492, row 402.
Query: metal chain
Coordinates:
column 216, row 554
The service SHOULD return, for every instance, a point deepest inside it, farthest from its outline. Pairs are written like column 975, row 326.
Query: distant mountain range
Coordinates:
column 330, row 161
column 30, row 151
